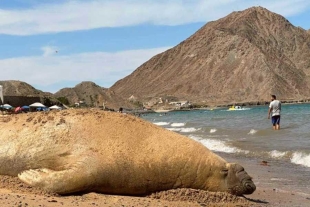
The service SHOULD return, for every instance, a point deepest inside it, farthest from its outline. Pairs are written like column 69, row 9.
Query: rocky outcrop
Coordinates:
column 93, row 95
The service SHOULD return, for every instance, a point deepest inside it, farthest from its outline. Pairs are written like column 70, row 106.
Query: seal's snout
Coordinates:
column 246, row 182
column 243, row 183
column 249, row 187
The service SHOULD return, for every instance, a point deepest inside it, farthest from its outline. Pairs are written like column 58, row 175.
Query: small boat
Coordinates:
column 234, row 108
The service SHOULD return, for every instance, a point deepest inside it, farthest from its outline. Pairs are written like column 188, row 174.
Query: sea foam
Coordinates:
column 277, row 154
column 162, row 123
column 280, row 179
column 184, row 130
column 252, row 131
column 218, row 145
column 177, row 124
column 213, row 131
column 301, row 158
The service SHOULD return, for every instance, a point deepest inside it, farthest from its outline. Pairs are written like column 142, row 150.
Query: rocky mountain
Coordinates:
column 19, row 88
column 93, row 95
column 243, row 57
column 18, row 93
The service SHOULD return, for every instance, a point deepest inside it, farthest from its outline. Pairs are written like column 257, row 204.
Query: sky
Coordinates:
column 53, row 44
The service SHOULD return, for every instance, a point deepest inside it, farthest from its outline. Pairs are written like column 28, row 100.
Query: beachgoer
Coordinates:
column 275, row 111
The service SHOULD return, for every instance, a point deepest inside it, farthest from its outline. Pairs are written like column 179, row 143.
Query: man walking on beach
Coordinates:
column 275, row 110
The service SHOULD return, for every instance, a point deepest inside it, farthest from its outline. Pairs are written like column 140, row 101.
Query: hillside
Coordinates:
column 17, row 93
column 243, row 57
column 19, row 88
column 93, row 95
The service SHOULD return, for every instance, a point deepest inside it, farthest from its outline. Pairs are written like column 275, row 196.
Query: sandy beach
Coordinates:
column 15, row 193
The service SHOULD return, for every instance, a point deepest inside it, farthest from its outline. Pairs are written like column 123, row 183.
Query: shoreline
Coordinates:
column 215, row 107
column 274, row 187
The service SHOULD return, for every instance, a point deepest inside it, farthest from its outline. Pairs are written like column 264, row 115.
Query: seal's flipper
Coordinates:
column 61, row 182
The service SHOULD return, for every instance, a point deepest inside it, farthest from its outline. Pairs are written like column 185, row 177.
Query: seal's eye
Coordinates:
column 224, row 171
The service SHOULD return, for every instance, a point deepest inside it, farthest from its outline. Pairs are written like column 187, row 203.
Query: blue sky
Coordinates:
column 105, row 40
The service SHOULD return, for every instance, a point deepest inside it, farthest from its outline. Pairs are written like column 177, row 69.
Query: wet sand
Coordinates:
column 275, row 185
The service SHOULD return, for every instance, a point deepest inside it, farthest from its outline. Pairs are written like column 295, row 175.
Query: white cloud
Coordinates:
column 43, row 71
column 49, row 50
column 84, row 15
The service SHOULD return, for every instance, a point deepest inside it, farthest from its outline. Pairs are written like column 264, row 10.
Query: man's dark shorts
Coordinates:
column 275, row 120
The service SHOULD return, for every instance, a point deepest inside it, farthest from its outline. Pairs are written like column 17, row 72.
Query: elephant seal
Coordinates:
column 107, row 152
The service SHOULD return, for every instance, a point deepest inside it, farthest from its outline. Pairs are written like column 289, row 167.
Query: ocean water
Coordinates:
column 247, row 134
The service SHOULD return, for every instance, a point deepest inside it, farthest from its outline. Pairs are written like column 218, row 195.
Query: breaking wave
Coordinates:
column 178, row 124
column 301, row 158
column 161, row 123
column 218, row 145
column 277, row 154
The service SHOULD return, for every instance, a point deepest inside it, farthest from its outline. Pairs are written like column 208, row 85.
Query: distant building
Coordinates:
column 180, row 103
column 80, row 103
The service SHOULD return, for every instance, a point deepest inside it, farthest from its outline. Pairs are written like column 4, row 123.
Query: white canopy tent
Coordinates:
column 55, row 107
column 36, row 105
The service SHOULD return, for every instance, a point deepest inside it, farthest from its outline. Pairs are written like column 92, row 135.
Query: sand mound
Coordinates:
column 199, row 196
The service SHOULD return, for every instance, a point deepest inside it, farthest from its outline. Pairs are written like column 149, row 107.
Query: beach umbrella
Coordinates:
column 55, row 107
column 25, row 108
column 18, row 109
column 37, row 104
column 6, row 106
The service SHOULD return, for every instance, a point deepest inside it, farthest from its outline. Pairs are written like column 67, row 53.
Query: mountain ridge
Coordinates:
column 244, row 56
